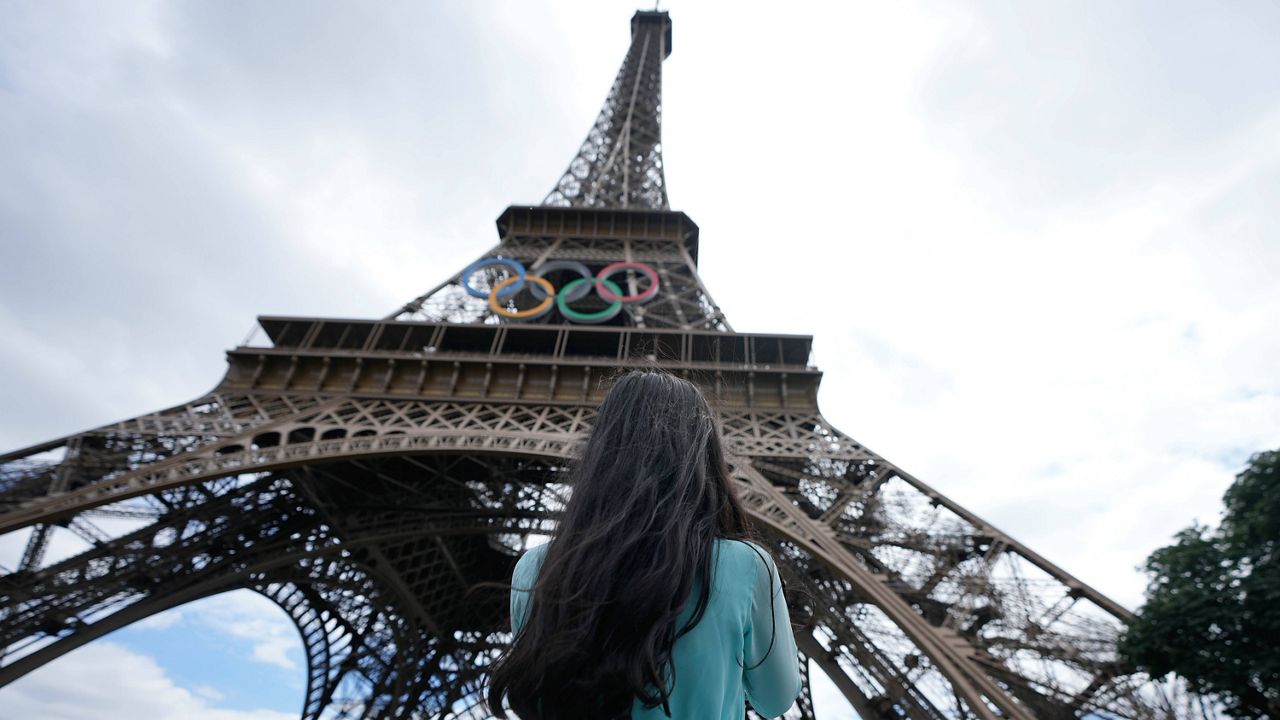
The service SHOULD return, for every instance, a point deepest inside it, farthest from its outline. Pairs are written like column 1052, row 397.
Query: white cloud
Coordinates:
column 1078, row 353
column 252, row 618
column 107, row 681
column 208, row 693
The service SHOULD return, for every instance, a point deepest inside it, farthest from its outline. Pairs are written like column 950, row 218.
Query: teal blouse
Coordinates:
column 710, row 682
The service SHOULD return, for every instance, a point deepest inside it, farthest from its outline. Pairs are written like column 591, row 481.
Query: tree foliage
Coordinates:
column 1212, row 608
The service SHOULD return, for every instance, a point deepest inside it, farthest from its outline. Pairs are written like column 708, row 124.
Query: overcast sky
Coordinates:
column 1036, row 243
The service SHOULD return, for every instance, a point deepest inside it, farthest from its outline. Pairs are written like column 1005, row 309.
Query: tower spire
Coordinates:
column 620, row 163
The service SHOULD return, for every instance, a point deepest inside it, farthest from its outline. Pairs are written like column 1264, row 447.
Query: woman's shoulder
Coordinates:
column 529, row 563
column 741, row 566
column 740, row 545
column 743, row 553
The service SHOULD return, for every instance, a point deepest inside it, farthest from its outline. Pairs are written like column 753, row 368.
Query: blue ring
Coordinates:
column 482, row 263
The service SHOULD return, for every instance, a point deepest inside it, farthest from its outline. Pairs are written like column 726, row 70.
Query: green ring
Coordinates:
column 589, row 318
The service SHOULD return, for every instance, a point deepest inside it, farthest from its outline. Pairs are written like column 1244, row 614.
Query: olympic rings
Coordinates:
column 590, row 318
column 637, row 298
column 545, row 292
column 539, row 310
column 470, row 270
column 554, row 265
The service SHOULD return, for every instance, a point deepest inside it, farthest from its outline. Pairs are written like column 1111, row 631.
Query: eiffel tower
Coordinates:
column 368, row 475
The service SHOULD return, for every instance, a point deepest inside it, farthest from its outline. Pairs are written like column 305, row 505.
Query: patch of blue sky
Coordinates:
column 198, row 646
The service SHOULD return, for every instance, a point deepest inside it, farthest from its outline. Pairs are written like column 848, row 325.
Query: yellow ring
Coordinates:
column 520, row 314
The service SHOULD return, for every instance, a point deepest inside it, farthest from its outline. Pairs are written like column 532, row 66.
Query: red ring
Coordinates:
column 609, row 295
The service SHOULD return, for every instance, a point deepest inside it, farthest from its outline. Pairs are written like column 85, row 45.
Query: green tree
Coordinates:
column 1212, row 608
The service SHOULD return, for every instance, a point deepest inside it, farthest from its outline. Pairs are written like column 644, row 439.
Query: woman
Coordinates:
column 615, row 617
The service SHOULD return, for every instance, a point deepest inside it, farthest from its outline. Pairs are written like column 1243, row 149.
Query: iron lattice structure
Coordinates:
column 367, row 475
column 620, row 163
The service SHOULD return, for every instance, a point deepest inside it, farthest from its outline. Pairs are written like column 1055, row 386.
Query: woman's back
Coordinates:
column 717, row 664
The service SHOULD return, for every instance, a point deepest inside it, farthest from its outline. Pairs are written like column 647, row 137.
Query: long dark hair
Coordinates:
column 650, row 495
